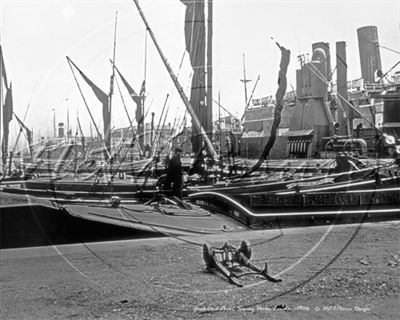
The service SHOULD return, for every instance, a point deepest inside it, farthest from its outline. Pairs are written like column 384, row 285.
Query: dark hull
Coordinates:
column 261, row 210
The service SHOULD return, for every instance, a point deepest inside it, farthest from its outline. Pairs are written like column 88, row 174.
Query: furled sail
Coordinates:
column 280, row 93
column 3, row 73
column 138, row 99
column 7, row 107
column 139, row 102
column 190, row 109
column 140, row 113
column 104, row 99
column 7, row 117
column 195, row 36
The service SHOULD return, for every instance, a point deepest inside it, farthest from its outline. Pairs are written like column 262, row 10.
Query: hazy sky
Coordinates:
column 37, row 35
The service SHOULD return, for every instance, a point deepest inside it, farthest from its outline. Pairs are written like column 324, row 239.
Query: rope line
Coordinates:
column 126, row 210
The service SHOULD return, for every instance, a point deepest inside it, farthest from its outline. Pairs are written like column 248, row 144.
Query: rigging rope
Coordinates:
column 326, row 82
column 126, row 210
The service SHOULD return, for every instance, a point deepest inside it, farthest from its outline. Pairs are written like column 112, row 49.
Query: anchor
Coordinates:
column 227, row 258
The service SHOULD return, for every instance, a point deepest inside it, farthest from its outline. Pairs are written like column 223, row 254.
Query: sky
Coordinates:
column 36, row 36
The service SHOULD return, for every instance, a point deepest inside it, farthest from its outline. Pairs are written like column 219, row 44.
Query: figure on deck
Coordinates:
column 174, row 178
column 318, row 170
column 342, row 163
column 230, row 155
column 147, row 151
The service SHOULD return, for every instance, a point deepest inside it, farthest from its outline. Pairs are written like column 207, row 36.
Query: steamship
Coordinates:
column 321, row 118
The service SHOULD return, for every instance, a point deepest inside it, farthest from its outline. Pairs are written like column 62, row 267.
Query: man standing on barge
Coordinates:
column 174, row 174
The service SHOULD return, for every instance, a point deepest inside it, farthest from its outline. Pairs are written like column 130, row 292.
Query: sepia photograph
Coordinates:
column 199, row 159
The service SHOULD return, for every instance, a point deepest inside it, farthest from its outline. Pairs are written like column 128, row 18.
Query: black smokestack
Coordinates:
column 370, row 58
column 341, row 81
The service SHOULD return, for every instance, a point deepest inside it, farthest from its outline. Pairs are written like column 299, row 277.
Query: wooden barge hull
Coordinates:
column 167, row 220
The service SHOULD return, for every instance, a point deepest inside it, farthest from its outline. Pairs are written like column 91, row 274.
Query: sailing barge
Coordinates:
column 232, row 205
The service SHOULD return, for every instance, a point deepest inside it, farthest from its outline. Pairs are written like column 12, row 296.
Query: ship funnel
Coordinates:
column 61, row 129
column 378, row 74
column 317, row 48
column 345, row 113
column 370, row 58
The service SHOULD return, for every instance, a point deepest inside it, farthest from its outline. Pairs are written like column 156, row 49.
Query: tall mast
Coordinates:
column 209, row 67
column 142, row 93
column 152, row 128
column 219, row 123
column 145, row 55
column 54, row 123
column 145, row 74
column 67, row 121
column 107, row 136
column 244, row 80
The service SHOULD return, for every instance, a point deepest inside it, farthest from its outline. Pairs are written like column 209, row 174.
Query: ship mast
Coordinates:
column 54, row 123
column 142, row 93
column 67, row 122
column 244, row 80
column 209, row 67
column 252, row 92
column 174, row 78
column 108, row 130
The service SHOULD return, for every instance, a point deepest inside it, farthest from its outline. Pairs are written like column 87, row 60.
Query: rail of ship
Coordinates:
column 348, row 198
column 231, row 207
